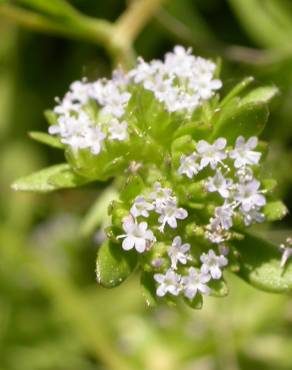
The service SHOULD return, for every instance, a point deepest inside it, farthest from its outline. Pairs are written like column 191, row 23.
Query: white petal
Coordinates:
column 128, row 243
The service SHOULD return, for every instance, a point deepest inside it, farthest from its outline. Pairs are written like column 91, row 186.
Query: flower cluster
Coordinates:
column 233, row 181
column 138, row 235
column 189, row 174
column 82, row 125
column 161, row 201
column 93, row 112
column 181, row 82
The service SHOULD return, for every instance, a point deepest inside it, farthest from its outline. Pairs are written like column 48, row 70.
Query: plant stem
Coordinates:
column 117, row 38
column 132, row 21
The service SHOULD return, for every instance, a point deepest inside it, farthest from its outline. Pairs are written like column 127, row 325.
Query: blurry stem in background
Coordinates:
column 117, row 38
column 212, row 46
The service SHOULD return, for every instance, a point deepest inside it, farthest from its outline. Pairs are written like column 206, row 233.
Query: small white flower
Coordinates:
column 79, row 91
column 160, row 195
column 170, row 213
column 252, row 216
column 141, row 207
column 249, row 196
column 195, row 282
column 215, row 233
column 178, row 252
column 137, row 235
column 244, row 174
column 188, row 165
column 168, row 283
column 243, row 154
column 211, row 263
column 94, row 137
column 211, row 154
column 224, row 215
column 118, row 130
column 220, row 184
column 205, row 86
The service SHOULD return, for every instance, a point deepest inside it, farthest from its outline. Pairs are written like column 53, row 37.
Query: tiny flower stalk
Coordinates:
column 189, row 170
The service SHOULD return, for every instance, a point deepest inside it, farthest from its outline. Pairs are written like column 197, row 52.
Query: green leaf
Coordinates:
column 51, row 117
column 49, row 179
column 261, row 95
column 133, row 187
column 113, row 264
column 196, row 303
column 269, row 184
column 247, row 120
column 242, row 85
column 67, row 179
column 219, row 288
column 46, row 139
column 275, row 211
column 98, row 214
column 259, row 262
column 198, row 130
column 148, row 289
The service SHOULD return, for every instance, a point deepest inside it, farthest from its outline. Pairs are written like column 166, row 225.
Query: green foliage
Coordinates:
column 260, row 265
column 113, row 266
column 56, row 177
column 46, row 139
column 275, row 211
column 240, row 118
column 52, row 314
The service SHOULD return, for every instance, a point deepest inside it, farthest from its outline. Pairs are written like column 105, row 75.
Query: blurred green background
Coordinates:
column 53, row 316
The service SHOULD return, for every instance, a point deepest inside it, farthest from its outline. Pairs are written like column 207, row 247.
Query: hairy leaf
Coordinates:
column 49, row 179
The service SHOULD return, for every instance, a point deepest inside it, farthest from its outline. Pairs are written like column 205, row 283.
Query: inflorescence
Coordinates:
column 228, row 170
column 182, row 83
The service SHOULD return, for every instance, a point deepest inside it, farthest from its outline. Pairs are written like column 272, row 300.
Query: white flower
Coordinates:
column 205, row 86
column 211, row 154
column 211, row 263
column 195, row 282
column 137, row 235
column 224, row 215
column 253, row 215
column 243, row 154
column 118, row 130
column 110, row 96
column 168, row 283
column 94, row 137
column 188, row 165
column 220, row 184
column 248, row 195
column 178, row 252
column 160, row 195
column 170, row 213
column 141, row 207
column 79, row 91
column 244, row 174
column 215, row 233
column 66, row 106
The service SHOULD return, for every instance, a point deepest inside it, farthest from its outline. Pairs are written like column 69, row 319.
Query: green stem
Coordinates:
column 84, row 28
column 116, row 38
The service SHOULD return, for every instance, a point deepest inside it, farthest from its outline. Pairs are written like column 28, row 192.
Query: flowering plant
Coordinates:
column 188, row 173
